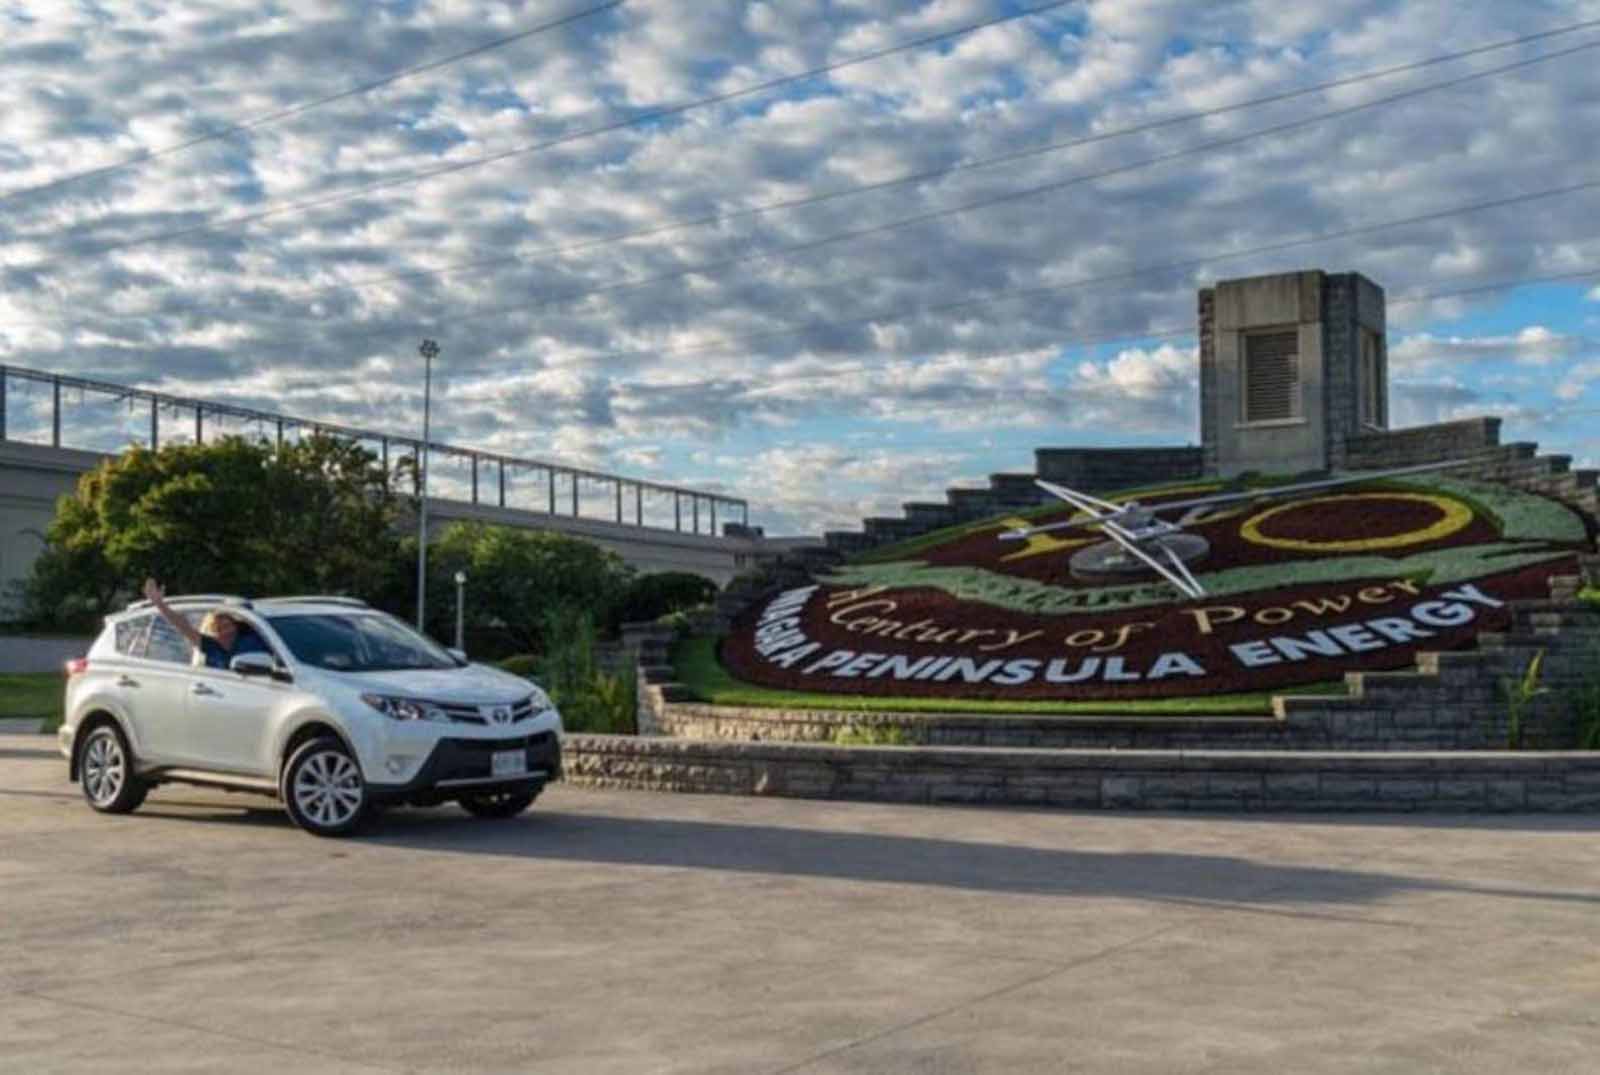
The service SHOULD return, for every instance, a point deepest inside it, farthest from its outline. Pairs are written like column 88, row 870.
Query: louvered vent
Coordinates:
column 1272, row 376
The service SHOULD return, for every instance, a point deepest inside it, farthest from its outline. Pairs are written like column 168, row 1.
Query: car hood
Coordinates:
column 474, row 683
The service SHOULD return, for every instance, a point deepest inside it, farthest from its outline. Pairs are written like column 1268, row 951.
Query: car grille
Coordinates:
column 471, row 714
column 468, row 759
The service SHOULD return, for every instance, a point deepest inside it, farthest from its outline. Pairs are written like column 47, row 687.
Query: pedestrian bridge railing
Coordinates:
column 63, row 411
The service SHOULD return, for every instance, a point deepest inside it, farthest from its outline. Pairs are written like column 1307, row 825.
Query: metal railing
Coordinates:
column 686, row 503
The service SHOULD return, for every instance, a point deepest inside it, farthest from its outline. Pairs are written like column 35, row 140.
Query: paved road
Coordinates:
column 630, row 932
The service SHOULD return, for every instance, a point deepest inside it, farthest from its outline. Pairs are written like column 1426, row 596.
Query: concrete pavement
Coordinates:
column 637, row 932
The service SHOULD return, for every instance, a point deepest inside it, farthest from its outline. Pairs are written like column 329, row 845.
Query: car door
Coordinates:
column 229, row 717
column 153, row 681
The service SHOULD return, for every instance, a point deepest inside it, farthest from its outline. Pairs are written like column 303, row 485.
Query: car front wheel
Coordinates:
column 323, row 789
column 105, row 772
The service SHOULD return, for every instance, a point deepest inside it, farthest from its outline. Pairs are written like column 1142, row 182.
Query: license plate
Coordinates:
column 508, row 763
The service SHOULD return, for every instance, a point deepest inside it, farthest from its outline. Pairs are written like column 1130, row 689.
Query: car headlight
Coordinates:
column 540, row 702
column 405, row 708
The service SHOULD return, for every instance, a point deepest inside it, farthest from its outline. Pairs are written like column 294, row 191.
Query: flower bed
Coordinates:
column 1298, row 592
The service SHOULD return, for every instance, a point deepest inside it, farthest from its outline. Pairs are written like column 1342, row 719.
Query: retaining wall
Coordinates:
column 1113, row 779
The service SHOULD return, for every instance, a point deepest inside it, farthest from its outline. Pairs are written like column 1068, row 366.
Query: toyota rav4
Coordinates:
column 347, row 712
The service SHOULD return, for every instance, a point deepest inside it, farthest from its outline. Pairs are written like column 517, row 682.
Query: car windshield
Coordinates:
column 358, row 642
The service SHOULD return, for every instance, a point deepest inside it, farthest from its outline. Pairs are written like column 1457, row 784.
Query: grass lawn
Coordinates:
column 697, row 669
column 38, row 694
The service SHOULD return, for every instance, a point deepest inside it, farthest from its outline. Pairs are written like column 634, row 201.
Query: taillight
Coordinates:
column 77, row 666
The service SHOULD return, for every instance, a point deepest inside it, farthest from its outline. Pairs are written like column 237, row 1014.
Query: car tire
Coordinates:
column 105, row 772
column 497, row 804
column 323, row 789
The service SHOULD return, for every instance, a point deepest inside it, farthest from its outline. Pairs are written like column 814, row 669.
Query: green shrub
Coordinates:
column 870, row 735
column 1519, row 694
column 590, row 699
column 649, row 597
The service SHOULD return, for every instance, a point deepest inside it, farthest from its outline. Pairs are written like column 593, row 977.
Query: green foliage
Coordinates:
column 682, row 621
column 649, row 597
column 1590, row 596
column 870, row 735
column 1585, row 707
column 1519, row 695
column 37, row 695
column 233, row 516
column 590, row 698
column 514, row 577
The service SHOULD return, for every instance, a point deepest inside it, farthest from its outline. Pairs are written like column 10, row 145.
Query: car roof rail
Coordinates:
column 195, row 598
column 319, row 599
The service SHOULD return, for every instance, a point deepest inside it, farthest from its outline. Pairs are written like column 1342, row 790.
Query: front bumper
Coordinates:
column 460, row 766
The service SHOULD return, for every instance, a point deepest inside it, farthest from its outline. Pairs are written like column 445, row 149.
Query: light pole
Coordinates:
column 429, row 350
column 461, row 604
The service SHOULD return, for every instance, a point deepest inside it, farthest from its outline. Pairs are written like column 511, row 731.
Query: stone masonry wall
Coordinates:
column 1097, row 470
column 1417, row 445
column 1127, row 780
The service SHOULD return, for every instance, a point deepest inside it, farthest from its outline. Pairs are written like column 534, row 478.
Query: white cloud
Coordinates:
column 956, row 326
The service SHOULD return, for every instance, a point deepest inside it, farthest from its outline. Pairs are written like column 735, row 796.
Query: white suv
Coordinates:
column 351, row 711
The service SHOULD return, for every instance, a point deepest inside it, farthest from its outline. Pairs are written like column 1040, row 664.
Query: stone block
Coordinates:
column 1405, row 790
column 1120, row 792
column 1506, row 795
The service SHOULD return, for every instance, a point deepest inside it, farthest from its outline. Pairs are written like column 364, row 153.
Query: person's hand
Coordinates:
column 152, row 591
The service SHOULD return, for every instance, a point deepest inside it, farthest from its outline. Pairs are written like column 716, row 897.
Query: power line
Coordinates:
column 651, row 116
column 148, row 155
column 934, row 173
column 834, row 373
column 1127, row 274
column 709, row 268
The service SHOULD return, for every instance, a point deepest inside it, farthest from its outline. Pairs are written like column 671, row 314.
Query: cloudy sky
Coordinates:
column 825, row 255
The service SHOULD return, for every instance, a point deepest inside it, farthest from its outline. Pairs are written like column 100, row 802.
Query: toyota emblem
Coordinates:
column 500, row 714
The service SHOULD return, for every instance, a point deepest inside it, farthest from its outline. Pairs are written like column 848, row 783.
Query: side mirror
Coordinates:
column 257, row 664
column 459, row 654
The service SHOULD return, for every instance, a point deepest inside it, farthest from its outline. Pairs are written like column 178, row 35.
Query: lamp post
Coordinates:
column 429, row 350
column 461, row 604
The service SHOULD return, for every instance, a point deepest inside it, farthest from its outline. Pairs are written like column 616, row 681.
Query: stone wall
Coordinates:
column 1417, row 445
column 1098, row 470
column 1127, row 780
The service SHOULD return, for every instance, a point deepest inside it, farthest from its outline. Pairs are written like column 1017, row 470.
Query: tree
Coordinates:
column 515, row 576
column 650, row 597
column 232, row 516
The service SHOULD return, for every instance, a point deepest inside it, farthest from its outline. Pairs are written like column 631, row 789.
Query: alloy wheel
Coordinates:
column 105, row 767
column 327, row 789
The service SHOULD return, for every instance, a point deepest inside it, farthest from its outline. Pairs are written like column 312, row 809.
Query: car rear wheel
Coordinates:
column 105, row 772
column 497, row 804
column 323, row 789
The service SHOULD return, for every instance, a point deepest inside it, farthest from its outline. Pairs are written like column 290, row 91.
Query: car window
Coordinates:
column 358, row 642
column 166, row 644
column 129, row 635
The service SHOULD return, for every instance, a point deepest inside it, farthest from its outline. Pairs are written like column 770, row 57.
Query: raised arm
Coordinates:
column 153, row 593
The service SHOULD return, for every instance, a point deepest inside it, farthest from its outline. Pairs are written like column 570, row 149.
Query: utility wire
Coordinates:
column 728, row 343
column 148, row 155
column 758, row 393
column 934, row 173
column 713, row 267
column 650, row 116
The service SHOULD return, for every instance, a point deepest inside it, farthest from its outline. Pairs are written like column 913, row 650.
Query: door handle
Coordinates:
column 201, row 688
column 127, row 681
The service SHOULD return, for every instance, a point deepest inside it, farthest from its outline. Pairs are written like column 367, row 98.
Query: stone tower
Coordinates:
column 1291, row 367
